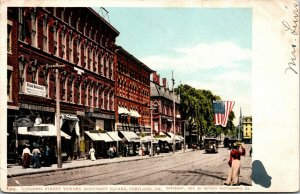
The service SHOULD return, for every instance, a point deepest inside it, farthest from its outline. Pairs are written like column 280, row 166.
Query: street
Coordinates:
column 189, row 168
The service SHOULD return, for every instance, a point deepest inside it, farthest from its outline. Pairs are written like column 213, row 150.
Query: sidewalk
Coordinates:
column 14, row 170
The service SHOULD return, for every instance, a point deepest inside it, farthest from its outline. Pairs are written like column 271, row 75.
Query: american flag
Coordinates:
column 222, row 110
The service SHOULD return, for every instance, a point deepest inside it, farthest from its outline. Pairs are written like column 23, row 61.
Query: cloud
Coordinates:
column 223, row 68
column 200, row 56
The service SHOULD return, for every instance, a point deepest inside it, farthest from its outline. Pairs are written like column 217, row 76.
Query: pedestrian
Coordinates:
column 250, row 152
column 36, row 157
column 92, row 153
column 114, row 151
column 47, row 154
column 125, row 150
column 157, row 150
column 235, row 164
column 26, row 156
column 110, row 152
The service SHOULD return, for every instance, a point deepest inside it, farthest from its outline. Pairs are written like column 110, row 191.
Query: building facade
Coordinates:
column 247, row 129
column 132, row 93
column 40, row 38
column 163, row 114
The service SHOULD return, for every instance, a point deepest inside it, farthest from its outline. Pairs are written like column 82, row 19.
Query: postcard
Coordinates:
column 150, row 96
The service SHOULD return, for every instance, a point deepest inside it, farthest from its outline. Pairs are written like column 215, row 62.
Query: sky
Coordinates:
column 206, row 48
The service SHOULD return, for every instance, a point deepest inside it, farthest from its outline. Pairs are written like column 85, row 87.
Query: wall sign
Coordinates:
column 34, row 89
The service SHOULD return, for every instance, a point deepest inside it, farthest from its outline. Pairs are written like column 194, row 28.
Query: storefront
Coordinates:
column 131, row 141
column 100, row 141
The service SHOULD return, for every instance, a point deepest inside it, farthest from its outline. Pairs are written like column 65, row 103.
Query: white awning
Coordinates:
column 148, row 139
column 122, row 110
column 134, row 113
column 177, row 137
column 93, row 136
column 99, row 136
column 42, row 130
column 114, row 135
column 130, row 136
column 105, row 137
column 166, row 138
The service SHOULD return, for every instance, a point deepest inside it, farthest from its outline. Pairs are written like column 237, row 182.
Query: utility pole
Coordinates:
column 57, row 117
column 151, row 128
column 174, row 122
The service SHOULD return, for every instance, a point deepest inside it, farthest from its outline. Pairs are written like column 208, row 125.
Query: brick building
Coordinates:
column 81, row 40
column 162, row 98
column 132, row 93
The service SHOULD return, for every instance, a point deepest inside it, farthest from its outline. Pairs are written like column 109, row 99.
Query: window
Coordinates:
column 9, row 36
column 85, row 53
column 63, row 43
column 45, row 35
column 9, row 86
column 55, row 40
column 70, row 47
column 62, row 15
column 78, row 48
column 21, row 25
column 33, row 30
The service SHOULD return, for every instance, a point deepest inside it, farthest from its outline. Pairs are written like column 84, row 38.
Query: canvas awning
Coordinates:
column 123, row 110
column 166, row 139
column 105, row 137
column 114, row 135
column 99, row 136
column 134, row 113
column 42, row 130
column 93, row 136
column 177, row 137
column 130, row 136
column 148, row 139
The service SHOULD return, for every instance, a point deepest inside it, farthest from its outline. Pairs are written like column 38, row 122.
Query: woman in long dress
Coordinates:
column 235, row 165
column 92, row 154
column 26, row 157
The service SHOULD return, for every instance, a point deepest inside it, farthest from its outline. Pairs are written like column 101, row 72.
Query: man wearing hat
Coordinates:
column 235, row 164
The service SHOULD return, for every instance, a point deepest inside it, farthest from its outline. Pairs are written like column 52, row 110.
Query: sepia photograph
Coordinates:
column 149, row 97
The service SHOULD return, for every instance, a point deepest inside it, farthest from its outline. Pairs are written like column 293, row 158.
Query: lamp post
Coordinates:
column 174, row 122
column 151, row 128
column 57, row 117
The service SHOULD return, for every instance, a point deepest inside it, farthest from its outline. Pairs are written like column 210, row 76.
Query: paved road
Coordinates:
column 190, row 168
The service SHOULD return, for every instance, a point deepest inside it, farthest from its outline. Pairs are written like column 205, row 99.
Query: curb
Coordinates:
column 89, row 165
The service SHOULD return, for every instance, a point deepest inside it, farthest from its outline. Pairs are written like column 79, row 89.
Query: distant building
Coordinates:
column 162, row 98
column 247, row 129
column 132, row 93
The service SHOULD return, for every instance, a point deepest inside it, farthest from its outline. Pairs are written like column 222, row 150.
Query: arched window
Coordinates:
column 34, row 27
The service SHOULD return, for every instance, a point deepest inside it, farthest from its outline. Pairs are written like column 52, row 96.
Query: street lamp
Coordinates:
column 151, row 128
column 57, row 122
column 174, row 123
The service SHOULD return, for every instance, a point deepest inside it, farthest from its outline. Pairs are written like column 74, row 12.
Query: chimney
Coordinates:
column 164, row 82
column 156, row 78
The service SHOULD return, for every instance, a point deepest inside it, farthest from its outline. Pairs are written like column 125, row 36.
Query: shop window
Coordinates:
column 9, row 37
column 21, row 25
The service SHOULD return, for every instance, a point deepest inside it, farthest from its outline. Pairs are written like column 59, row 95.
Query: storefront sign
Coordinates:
column 36, row 107
column 34, row 89
column 99, row 115
column 23, row 122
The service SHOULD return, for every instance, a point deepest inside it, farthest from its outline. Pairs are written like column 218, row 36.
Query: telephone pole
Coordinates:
column 57, row 117
column 174, row 122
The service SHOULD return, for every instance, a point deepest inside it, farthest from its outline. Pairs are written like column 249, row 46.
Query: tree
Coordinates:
column 196, row 107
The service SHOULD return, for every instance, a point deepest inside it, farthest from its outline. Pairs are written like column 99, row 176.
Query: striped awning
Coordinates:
column 130, row 136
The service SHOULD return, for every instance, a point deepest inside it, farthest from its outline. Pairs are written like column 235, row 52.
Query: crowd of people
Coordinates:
column 40, row 156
